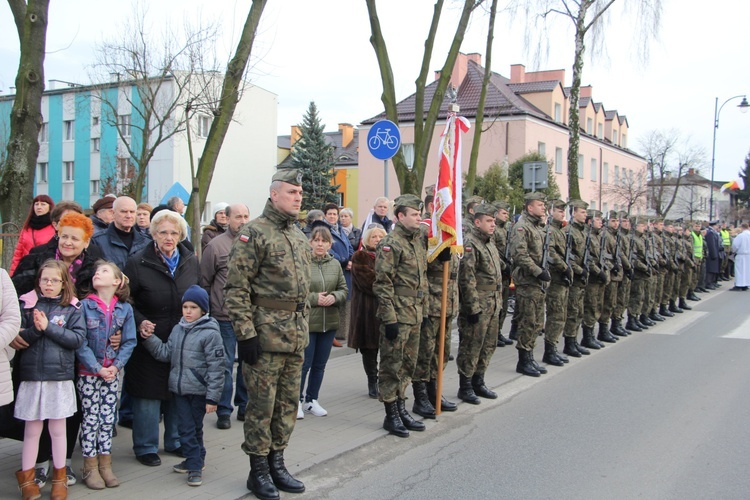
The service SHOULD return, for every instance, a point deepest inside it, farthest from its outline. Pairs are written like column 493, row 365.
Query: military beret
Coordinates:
column 558, row 204
column 474, row 199
column 622, row 214
column 288, row 175
column 613, row 215
column 578, row 204
column 668, row 222
column 535, row 195
column 593, row 213
column 102, row 203
column 655, row 220
column 501, row 205
column 408, row 200
column 485, row 209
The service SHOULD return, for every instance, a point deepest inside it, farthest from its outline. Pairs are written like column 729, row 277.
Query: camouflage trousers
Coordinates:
column 592, row 304
column 685, row 280
column 696, row 274
column 574, row 316
column 623, row 296
column 530, row 314
column 658, row 289
column 556, row 303
column 666, row 293
column 504, row 308
column 427, row 360
column 476, row 343
column 398, row 358
column 638, row 296
column 609, row 302
column 648, row 300
column 273, row 390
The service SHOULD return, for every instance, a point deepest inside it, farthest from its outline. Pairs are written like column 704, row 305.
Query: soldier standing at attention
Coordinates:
column 557, row 293
column 685, row 239
column 615, row 274
column 480, row 286
column 268, row 279
column 641, row 274
column 574, row 314
column 526, row 247
column 598, row 279
column 623, row 289
column 401, row 289
column 501, row 242
column 468, row 221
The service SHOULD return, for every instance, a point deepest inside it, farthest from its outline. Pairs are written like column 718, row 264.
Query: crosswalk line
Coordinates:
column 741, row 332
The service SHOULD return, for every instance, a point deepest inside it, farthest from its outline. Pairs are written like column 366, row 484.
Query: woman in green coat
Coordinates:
column 327, row 292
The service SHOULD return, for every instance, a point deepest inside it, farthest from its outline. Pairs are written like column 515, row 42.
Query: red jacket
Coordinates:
column 29, row 239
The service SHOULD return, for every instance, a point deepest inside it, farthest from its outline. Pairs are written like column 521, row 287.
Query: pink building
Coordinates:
column 526, row 112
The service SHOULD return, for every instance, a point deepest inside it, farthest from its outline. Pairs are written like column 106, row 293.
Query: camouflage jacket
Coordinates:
column 480, row 274
column 578, row 248
column 687, row 250
column 658, row 249
column 556, row 258
column 435, row 281
column 640, row 261
column 270, row 263
column 614, row 257
column 401, row 277
column 625, row 248
column 594, row 249
column 526, row 247
column 500, row 237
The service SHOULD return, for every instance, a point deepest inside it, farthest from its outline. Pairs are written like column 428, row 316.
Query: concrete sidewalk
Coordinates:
column 353, row 420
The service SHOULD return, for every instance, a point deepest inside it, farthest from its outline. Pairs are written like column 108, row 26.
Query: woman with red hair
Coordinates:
column 37, row 229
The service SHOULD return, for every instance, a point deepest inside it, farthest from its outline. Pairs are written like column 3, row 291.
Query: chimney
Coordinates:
column 585, row 91
column 461, row 67
column 517, row 73
column 347, row 134
column 296, row 134
column 691, row 171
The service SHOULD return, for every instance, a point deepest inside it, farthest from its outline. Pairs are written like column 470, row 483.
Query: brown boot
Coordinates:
column 105, row 470
column 59, row 484
column 90, row 473
column 27, row 485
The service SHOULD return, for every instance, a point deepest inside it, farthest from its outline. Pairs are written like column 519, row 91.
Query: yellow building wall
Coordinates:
column 348, row 181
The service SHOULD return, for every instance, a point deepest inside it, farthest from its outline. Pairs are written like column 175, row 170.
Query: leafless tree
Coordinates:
column 628, row 190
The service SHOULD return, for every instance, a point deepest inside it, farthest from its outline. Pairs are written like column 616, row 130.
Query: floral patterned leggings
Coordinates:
column 99, row 406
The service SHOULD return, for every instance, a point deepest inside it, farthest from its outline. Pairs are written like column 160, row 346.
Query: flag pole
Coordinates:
column 441, row 338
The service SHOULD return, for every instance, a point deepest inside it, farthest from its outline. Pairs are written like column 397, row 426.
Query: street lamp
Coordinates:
column 717, row 110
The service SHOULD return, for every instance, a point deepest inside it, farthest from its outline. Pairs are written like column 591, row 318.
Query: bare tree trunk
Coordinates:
column 17, row 182
column 574, row 192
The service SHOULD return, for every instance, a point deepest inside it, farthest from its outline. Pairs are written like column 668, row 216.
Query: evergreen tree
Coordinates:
column 743, row 195
column 314, row 157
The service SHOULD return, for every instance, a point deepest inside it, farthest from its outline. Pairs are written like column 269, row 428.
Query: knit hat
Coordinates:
column 198, row 296
column 220, row 207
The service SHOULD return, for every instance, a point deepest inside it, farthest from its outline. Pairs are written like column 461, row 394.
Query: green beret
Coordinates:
column 288, row 175
column 535, row 195
column 485, row 209
column 578, row 204
column 593, row 213
column 622, row 214
column 655, row 220
column 668, row 222
column 558, row 204
column 474, row 199
column 502, row 205
column 613, row 215
column 408, row 200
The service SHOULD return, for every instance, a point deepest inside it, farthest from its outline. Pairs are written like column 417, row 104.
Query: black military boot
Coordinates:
column 674, row 308
column 570, row 347
column 632, row 325
column 621, row 329
column 259, row 481
column 617, row 329
column 604, row 334
column 655, row 316
column 513, row 334
column 538, row 367
column 466, row 391
column 372, row 386
column 664, row 311
column 588, row 339
column 422, row 406
column 281, row 477
column 684, row 305
column 480, row 388
column 502, row 341
column 408, row 420
column 392, row 422
column 692, row 296
column 550, row 355
column 525, row 365
column 646, row 320
column 445, row 405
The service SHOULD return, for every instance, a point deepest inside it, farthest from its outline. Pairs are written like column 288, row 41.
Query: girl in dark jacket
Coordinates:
column 54, row 328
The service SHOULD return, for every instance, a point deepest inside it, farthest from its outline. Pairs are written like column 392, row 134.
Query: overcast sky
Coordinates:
column 320, row 51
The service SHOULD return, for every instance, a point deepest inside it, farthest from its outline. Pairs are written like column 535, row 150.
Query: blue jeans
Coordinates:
column 316, row 358
column 230, row 348
column 191, row 410
column 146, row 414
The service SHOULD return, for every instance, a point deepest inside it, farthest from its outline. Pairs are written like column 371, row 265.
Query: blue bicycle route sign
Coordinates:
column 383, row 139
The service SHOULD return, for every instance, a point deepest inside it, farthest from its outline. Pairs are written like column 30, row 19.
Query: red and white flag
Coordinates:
column 445, row 227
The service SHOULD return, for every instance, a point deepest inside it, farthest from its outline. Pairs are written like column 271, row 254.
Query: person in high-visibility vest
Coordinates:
column 698, row 256
column 726, row 242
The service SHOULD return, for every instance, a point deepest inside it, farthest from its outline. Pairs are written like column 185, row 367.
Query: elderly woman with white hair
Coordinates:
column 159, row 276
column 346, row 221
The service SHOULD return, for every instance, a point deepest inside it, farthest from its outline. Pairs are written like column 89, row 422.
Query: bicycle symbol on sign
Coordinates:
column 383, row 137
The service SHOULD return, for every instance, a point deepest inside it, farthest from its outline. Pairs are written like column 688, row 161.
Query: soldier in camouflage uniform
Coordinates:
column 641, row 274
column 401, row 289
column 623, row 290
column 470, row 203
column 265, row 296
column 688, row 268
column 531, row 278
column 556, row 301
column 660, row 268
column 501, row 242
column 611, row 237
column 480, row 289
column 598, row 279
column 574, row 315
column 674, row 266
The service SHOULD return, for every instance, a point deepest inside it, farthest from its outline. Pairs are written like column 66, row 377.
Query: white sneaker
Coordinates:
column 314, row 408
column 300, row 413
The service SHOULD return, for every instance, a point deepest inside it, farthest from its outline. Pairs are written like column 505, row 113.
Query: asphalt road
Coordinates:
column 663, row 414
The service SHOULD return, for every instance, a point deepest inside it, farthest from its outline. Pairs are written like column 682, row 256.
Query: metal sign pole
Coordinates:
column 385, row 178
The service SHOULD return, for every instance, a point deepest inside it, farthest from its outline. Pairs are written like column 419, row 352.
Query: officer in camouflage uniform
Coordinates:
column 688, row 268
column 674, row 267
column 402, row 292
column 268, row 280
column 611, row 237
column 641, row 274
column 623, row 289
column 574, row 315
column 598, row 279
column 556, row 301
column 502, row 224
column 480, row 289
column 531, row 278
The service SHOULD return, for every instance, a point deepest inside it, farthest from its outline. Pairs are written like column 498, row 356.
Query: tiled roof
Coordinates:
column 583, row 102
column 610, row 115
column 531, row 87
column 344, row 156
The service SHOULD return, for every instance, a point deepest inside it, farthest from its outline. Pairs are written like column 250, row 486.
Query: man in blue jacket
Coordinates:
column 119, row 241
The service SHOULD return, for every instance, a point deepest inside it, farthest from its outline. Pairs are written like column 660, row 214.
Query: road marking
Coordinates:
column 741, row 332
column 675, row 326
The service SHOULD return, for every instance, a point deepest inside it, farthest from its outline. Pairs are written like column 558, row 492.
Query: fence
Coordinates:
column 9, row 233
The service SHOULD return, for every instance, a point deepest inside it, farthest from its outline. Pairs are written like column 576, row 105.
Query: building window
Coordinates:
column 95, row 187
column 589, row 126
column 624, row 141
column 617, row 175
column 614, row 137
column 558, row 112
column 592, row 205
column 95, row 144
column 605, row 173
column 123, row 122
column 69, row 171
column 95, row 121
column 605, row 209
column 558, row 161
column 204, row 125
column 542, row 148
column 44, row 133
column 599, row 132
column 580, row 166
column 41, row 172
column 594, row 169
column 122, row 168
column 69, row 130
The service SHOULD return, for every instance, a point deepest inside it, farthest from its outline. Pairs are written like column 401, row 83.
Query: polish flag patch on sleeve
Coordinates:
column 386, row 248
column 244, row 238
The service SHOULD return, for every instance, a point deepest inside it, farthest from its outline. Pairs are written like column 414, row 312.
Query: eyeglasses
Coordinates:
column 172, row 234
column 50, row 281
